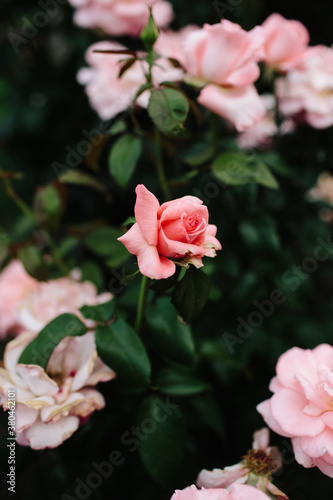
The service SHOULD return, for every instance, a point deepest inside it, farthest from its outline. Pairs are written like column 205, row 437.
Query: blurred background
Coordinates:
column 43, row 113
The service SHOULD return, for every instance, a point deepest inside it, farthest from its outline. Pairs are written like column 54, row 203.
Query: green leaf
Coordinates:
column 33, row 262
column 124, row 157
column 118, row 127
column 168, row 109
column 100, row 313
column 179, row 382
column 237, row 169
column 39, row 351
column 162, row 450
column 91, row 271
column 191, row 294
column 103, row 241
column 119, row 347
column 260, row 234
column 168, row 336
column 198, row 155
column 82, row 179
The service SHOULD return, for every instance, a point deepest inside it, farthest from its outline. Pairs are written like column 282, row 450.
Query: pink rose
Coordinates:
column 285, row 42
column 109, row 94
column 237, row 492
column 120, row 17
column 309, row 89
column 302, row 405
column 15, row 282
column 323, row 190
column 175, row 231
column 52, row 403
column 223, row 58
column 54, row 297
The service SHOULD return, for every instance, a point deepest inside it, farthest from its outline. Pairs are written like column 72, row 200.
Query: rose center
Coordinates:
column 259, row 462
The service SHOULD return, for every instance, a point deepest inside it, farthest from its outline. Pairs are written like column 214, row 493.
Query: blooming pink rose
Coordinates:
column 120, row 17
column 302, row 405
column 237, row 492
column 15, row 282
column 309, row 89
column 224, row 57
column 175, row 231
column 52, row 403
column 109, row 94
column 54, row 297
column 285, row 42
column 256, row 468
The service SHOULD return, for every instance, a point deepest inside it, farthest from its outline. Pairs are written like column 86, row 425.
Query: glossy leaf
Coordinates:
column 119, row 347
column 162, row 450
column 124, row 157
column 100, row 313
column 168, row 109
column 191, row 294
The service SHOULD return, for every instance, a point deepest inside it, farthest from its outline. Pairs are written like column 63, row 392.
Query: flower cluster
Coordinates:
column 222, row 61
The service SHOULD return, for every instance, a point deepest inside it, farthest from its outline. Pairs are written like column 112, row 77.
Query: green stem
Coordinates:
column 214, row 130
column 142, row 303
column 160, row 168
column 29, row 213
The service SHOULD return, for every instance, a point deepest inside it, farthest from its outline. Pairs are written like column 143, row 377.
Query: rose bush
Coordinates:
column 177, row 231
column 302, row 405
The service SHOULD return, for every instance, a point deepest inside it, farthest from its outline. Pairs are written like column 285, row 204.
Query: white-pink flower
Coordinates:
column 120, row 17
column 15, row 283
column 54, row 297
column 285, row 42
column 308, row 90
column 301, row 407
column 237, row 492
column 52, row 403
column 223, row 58
column 109, row 94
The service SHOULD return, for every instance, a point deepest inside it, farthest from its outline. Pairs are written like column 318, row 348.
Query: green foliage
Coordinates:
column 168, row 108
column 124, row 157
column 120, row 348
column 169, row 337
column 163, row 448
column 101, row 313
column 191, row 294
column 237, row 169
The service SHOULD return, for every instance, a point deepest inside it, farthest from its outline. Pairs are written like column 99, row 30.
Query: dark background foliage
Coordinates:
column 264, row 234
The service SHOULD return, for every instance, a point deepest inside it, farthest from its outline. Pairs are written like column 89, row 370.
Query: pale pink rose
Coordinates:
column 223, row 58
column 302, row 405
column 109, row 94
column 54, row 297
column 169, row 43
column 309, row 89
column 121, row 17
column 323, row 190
column 237, row 492
column 15, row 282
column 262, row 132
column 256, row 468
column 51, row 404
column 177, row 231
column 285, row 42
